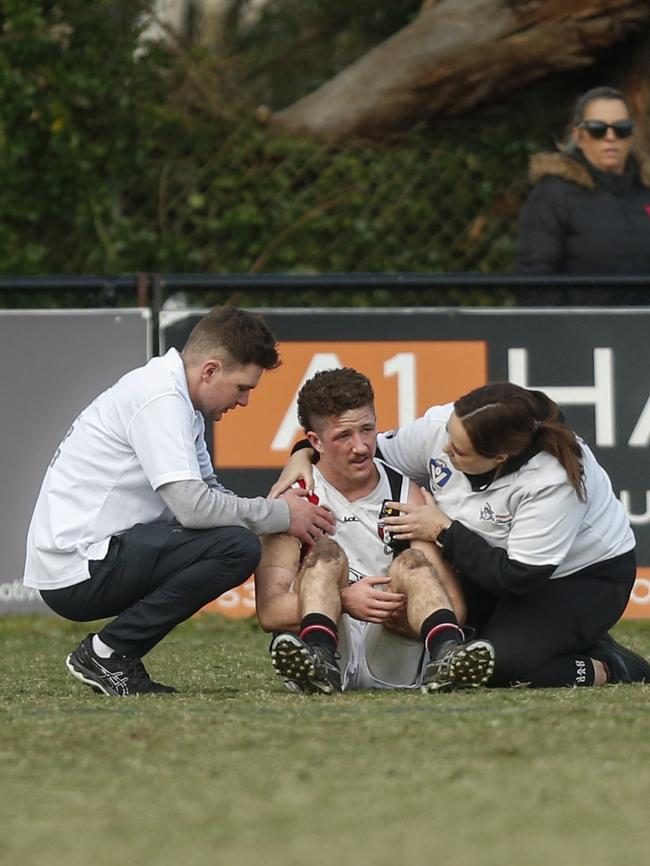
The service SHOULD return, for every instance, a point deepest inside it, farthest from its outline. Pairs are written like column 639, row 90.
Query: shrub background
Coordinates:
column 117, row 159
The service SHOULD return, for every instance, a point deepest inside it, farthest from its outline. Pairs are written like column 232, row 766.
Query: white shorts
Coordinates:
column 374, row 658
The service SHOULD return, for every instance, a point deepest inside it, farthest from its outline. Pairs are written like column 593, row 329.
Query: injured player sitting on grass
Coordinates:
column 356, row 610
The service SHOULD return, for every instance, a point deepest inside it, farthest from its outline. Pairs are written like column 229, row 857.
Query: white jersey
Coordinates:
column 371, row 657
column 533, row 513
column 141, row 433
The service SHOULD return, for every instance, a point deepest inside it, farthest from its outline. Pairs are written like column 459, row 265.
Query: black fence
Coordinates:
column 159, row 291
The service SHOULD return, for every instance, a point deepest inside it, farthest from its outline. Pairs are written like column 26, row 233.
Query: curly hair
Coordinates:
column 332, row 392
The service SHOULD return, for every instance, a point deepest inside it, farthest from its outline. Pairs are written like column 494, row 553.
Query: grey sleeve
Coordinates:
column 198, row 506
column 213, row 482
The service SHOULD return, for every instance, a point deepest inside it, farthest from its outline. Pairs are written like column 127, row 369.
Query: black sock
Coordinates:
column 318, row 629
column 440, row 628
column 561, row 671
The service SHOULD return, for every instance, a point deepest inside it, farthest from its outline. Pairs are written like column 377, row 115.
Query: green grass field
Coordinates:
column 236, row 771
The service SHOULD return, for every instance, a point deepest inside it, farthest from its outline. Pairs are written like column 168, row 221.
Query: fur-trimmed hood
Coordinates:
column 568, row 168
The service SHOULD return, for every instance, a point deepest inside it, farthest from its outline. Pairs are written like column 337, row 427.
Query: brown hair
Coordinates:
column 503, row 418
column 568, row 145
column 235, row 337
column 332, row 392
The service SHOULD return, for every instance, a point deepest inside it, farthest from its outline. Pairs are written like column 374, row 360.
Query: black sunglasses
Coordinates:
column 598, row 128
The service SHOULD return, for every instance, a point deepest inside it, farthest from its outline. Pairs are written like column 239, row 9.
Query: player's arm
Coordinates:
column 277, row 607
column 446, row 574
column 298, row 468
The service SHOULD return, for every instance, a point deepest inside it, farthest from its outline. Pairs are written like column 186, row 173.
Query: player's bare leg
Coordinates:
column 453, row 662
column 308, row 661
column 412, row 574
column 323, row 575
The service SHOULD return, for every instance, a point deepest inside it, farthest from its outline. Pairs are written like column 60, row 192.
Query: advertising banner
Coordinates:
column 593, row 362
column 53, row 364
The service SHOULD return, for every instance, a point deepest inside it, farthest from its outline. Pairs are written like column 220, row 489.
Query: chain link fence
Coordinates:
column 124, row 161
column 259, row 203
column 241, row 199
column 121, row 160
column 236, row 198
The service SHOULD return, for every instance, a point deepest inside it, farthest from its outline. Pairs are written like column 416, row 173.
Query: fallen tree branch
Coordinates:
column 457, row 54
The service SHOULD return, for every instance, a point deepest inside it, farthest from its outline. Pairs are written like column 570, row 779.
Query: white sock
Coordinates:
column 103, row 650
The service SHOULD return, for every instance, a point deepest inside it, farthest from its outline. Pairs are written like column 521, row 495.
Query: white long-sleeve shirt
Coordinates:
column 139, row 436
column 533, row 513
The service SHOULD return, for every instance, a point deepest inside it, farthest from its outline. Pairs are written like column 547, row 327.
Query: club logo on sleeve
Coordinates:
column 440, row 473
column 488, row 513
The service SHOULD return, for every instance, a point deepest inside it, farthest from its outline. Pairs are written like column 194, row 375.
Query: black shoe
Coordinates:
column 118, row 676
column 459, row 666
column 623, row 665
column 305, row 667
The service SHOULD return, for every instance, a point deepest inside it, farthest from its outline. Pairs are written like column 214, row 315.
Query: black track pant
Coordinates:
column 155, row 576
column 543, row 638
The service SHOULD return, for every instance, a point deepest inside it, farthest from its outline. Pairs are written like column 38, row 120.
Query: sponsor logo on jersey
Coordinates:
column 350, row 519
column 440, row 472
column 354, row 575
column 488, row 513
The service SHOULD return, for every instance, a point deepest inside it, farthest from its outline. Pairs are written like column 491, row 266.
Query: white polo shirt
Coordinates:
column 533, row 513
column 139, row 434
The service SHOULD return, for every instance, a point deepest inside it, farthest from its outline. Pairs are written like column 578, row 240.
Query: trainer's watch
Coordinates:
column 441, row 536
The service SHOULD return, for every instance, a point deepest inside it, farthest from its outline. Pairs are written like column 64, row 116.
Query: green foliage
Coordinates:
column 116, row 159
column 76, row 119
column 319, row 38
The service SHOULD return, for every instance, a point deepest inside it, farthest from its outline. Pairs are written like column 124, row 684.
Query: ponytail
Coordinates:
column 561, row 442
column 506, row 418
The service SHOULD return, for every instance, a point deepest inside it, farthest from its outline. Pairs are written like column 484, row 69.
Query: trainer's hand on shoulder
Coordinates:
column 298, row 466
column 308, row 522
column 364, row 600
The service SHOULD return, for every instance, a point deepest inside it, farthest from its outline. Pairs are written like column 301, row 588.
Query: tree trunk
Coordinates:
column 456, row 54
column 636, row 85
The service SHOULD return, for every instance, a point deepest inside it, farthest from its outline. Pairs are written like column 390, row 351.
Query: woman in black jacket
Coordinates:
column 589, row 210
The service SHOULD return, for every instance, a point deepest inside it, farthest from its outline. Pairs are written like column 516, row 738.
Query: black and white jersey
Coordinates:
column 356, row 521
column 371, row 657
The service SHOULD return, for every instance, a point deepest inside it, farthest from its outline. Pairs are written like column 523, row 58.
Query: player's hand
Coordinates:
column 424, row 522
column 298, row 466
column 308, row 522
column 397, row 623
column 366, row 601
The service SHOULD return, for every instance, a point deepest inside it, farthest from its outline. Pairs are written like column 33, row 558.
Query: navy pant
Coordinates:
column 544, row 637
column 155, row 576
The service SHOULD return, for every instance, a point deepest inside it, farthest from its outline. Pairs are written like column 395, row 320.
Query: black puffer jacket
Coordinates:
column 578, row 220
